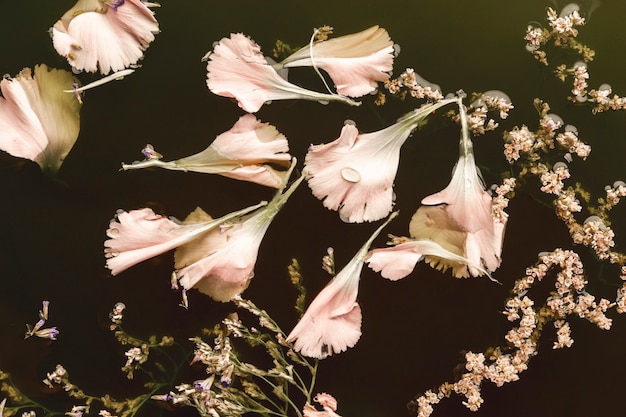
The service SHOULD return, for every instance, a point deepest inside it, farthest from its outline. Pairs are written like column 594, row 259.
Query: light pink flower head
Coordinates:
column 354, row 174
column 238, row 69
column 108, row 35
column 138, row 235
column 463, row 219
column 355, row 62
column 38, row 121
column 332, row 322
column 249, row 151
column 221, row 262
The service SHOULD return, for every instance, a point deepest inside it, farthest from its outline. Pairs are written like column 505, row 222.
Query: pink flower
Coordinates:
column 354, row 174
column 138, row 235
column 354, row 62
column 462, row 219
column 238, row 69
column 249, row 151
column 467, row 210
column 328, row 403
column 38, row 121
column 107, row 34
column 332, row 322
column 221, row 263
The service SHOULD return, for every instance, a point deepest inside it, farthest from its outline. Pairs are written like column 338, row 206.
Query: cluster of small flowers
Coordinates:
column 598, row 236
column 136, row 356
column 516, row 141
column 563, row 335
column 603, row 102
column 552, row 181
column 116, row 315
column 415, row 85
column 569, row 140
column 563, row 33
column 565, row 25
column 38, row 330
column 614, row 193
column 581, row 75
column 500, row 201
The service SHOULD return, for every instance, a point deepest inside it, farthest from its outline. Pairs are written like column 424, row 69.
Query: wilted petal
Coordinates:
column 354, row 62
column 250, row 151
column 354, row 174
column 110, row 35
column 38, row 121
column 238, row 69
column 332, row 322
column 141, row 234
column 221, row 263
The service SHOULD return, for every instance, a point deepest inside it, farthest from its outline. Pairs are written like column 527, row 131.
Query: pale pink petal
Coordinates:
column 354, row 174
column 38, row 120
column 221, row 262
column 141, row 234
column 398, row 261
column 238, row 69
column 326, row 401
column 468, row 203
column 395, row 262
column 250, row 151
column 95, row 36
column 354, row 62
column 332, row 322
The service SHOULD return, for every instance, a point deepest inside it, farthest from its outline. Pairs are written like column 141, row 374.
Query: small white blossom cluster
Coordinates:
column 552, row 181
column 565, row 26
column 417, row 87
column 563, row 32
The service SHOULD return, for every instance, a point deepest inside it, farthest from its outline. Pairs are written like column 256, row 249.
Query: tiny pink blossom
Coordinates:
column 221, row 262
column 332, row 322
column 38, row 121
column 250, row 151
column 105, row 34
column 138, row 235
column 328, row 403
column 355, row 62
column 238, row 69
column 354, row 174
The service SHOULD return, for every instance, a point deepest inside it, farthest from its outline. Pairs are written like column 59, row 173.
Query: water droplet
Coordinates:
column 350, row 174
column 569, row 9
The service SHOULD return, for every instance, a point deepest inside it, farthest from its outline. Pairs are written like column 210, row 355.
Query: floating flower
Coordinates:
column 465, row 212
column 221, row 263
column 138, row 235
column 249, row 151
column 38, row 121
column 355, row 62
column 354, row 174
column 238, row 69
column 109, row 35
column 442, row 250
column 332, row 322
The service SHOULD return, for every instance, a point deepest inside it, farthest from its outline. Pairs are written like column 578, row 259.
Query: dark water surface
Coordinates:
column 414, row 330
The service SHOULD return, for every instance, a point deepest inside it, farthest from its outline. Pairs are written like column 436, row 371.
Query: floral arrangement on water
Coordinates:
column 459, row 230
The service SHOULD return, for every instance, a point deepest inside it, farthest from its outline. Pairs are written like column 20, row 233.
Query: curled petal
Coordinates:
column 92, row 35
column 355, row 62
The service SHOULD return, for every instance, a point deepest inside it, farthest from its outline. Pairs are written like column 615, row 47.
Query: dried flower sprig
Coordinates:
column 234, row 387
column 503, row 364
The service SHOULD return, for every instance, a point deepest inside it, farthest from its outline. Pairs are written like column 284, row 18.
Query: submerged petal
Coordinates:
column 38, row 121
